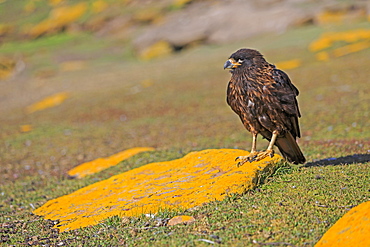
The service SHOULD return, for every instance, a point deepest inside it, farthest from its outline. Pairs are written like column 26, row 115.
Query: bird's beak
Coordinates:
column 231, row 64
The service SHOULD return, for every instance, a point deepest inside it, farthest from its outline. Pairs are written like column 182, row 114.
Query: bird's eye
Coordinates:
column 240, row 60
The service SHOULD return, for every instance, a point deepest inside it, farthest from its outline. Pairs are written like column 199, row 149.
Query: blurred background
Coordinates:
column 86, row 79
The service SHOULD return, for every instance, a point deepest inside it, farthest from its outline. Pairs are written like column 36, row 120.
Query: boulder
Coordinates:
column 219, row 23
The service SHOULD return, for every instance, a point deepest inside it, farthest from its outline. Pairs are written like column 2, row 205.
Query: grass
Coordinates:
column 293, row 206
column 34, row 46
column 184, row 110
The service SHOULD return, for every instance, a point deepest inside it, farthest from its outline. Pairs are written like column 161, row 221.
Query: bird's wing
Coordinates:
column 286, row 93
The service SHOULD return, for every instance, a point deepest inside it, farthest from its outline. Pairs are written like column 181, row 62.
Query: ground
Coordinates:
column 176, row 104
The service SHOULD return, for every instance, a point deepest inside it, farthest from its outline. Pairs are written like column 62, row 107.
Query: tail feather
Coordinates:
column 289, row 149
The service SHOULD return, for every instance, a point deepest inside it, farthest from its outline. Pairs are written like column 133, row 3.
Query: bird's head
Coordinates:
column 243, row 58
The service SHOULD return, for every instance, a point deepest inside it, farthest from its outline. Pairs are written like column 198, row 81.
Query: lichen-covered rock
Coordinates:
column 351, row 230
column 100, row 164
column 7, row 66
column 195, row 179
column 50, row 101
column 159, row 49
column 59, row 18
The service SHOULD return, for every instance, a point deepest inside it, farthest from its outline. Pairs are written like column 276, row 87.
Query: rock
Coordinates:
column 350, row 230
column 59, row 18
column 125, row 220
column 100, row 164
column 25, row 128
column 219, row 23
column 182, row 219
column 7, row 67
column 50, row 101
column 193, row 180
column 159, row 49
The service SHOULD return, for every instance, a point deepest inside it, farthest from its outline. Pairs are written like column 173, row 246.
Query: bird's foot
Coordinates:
column 263, row 154
column 244, row 159
column 254, row 156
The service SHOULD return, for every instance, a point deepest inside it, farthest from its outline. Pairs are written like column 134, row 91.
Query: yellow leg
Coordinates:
column 257, row 156
column 254, row 143
column 252, row 155
column 270, row 149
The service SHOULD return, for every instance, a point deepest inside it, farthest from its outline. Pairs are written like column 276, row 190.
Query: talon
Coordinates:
column 244, row 159
column 254, row 157
column 240, row 164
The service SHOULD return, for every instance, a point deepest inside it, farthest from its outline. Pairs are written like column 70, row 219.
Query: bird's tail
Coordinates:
column 289, row 149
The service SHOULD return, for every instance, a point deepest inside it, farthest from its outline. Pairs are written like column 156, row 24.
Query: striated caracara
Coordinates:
column 265, row 100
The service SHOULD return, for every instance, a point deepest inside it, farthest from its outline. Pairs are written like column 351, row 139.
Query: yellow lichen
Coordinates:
column 99, row 6
column 197, row 178
column 322, row 56
column 180, row 3
column 351, row 48
column 327, row 40
column 148, row 15
column 290, row 64
column 159, row 49
column 72, row 65
column 100, row 164
column 59, row 18
column 7, row 66
column 351, row 230
column 25, row 128
column 55, row 2
column 320, row 44
column 181, row 219
column 326, row 17
column 5, row 29
column 338, row 16
column 29, row 7
column 48, row 102
column 147, row 83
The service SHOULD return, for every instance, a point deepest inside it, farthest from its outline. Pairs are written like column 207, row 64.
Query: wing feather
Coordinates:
column 286, row 93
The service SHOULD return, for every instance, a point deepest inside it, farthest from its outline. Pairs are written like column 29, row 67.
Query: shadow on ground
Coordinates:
column 349, row 159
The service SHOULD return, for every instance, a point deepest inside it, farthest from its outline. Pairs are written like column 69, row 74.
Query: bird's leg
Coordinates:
column 257, row 156
column 254, row 143
column 270, row 149
column 253, row 153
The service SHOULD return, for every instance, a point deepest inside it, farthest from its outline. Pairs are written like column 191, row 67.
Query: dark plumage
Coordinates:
column 265, row 100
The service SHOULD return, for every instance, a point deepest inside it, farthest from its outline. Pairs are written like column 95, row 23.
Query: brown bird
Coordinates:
column 265, row 100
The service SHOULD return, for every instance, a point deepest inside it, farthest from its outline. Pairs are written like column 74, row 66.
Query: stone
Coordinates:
column 351, row 230
column 181, row 219
column 100, row 164
column 195, row 179
column 219, row 23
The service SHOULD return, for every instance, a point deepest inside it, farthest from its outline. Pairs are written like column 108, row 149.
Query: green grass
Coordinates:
column 184, row 110
column 295, row 206
column 34, row 46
